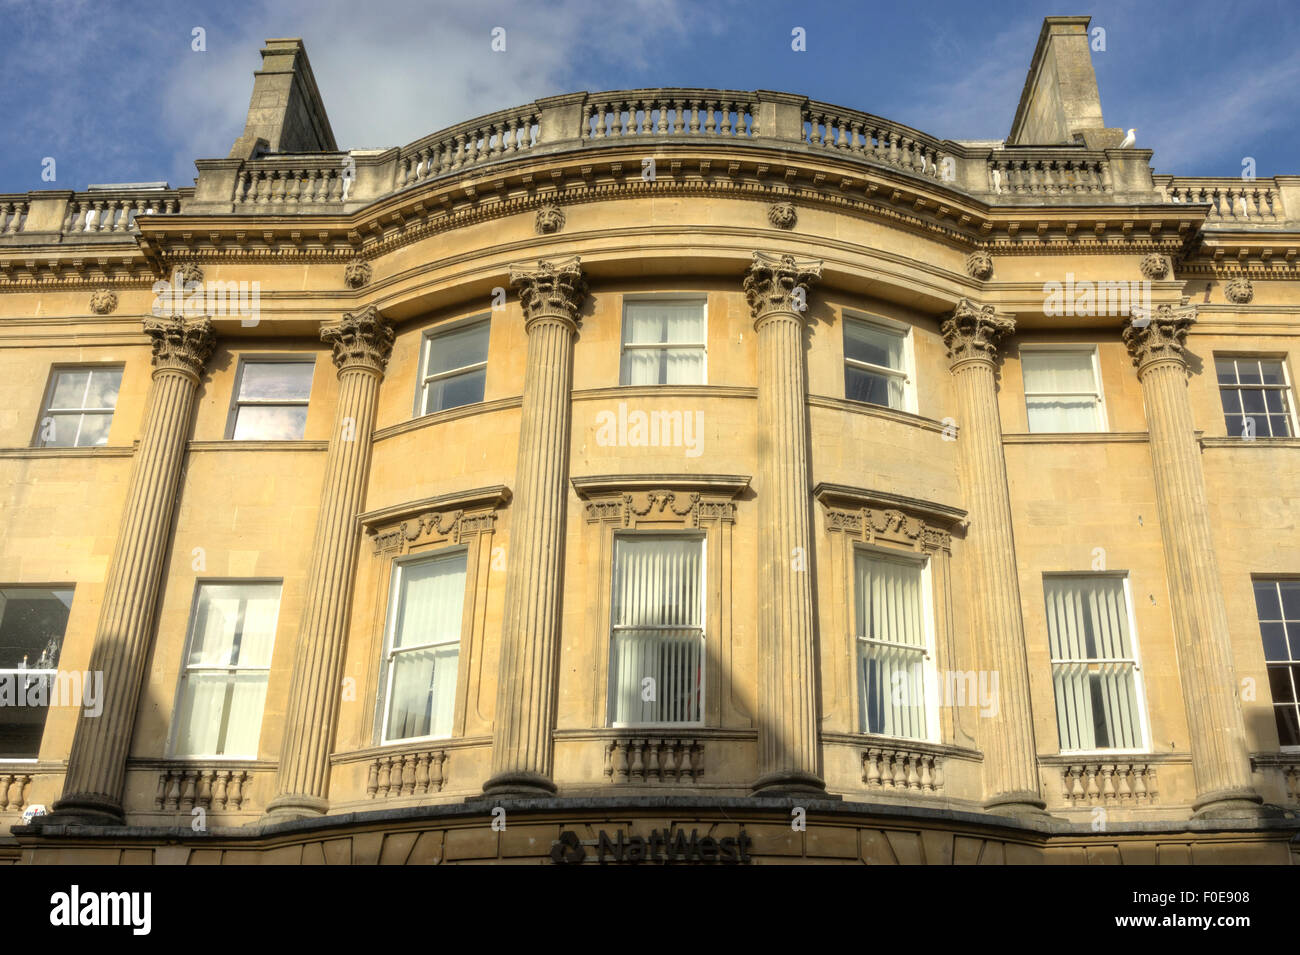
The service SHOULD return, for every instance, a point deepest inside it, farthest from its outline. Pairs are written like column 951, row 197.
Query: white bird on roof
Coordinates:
column 1130, row 139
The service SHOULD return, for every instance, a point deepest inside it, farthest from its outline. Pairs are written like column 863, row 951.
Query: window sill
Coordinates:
column 878, row 411
column 102, row 451
column 244, row 444
column 1076, row 437
column 1238, row 442
column 450, row 414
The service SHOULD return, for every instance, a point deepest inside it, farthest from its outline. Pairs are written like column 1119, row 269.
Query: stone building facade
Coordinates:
column 703, row 475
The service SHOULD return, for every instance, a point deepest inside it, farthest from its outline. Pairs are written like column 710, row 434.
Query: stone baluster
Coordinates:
column 551, row 295
column 92, row 789
column 1220, row 758
column 776, row 287
column 972, row 336
column 361, row 342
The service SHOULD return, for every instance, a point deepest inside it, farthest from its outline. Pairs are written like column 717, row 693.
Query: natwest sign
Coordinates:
column 660, row 846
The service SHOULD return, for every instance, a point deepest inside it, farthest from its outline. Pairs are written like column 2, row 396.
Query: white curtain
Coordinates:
column 1053, row 382
column 1092, row 663
column 226, row 670
column 891, row 642
column 657, row 614
column 426, row 648
column 664, row 324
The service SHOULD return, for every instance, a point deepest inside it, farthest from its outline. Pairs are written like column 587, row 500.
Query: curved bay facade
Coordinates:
column 650, row 461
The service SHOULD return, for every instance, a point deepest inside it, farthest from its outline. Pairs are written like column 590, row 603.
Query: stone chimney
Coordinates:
column 285, row 114
column 1060, row 103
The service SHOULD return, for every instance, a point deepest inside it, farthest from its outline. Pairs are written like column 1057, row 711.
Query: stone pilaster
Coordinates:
column 777, row 290
column 1220, row 760
column 552, row 294
column 972, row 335
column 362, row 342
column 92, row 788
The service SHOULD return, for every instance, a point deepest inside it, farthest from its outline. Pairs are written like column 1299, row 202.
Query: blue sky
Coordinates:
column 114, row 92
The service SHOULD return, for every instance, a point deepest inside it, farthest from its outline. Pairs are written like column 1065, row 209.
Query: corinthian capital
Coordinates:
column 1161, row 336
column 183, row 345
column 361, row 339
column 974, row 331
column 779, row 283
column 550, row 289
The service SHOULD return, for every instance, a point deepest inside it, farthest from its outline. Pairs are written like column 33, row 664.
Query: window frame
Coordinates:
column 669, row 298
column 908, row 357
column 386, row 668
column 423, row 378
column 1139, row 682
column 50, row 385
column 700, row 537
column 1287, row 388
column 1103, row 418
column 174, row 731
column 929, row 659
column 232, row 415
column 1275, row 579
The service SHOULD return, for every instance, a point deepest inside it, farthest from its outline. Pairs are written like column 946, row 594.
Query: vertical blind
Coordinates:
column 1061, row 391
column 424, row 652
column 1093, row 665
column 891, row 646
column 658, row 630
column 226, row 670
column 663, row 343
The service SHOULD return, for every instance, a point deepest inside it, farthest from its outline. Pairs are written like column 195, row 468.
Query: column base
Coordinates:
column 517, row 784
column 790, row 783
column 294, row 806
column 85, row 809
column 1019, row 804
column 1227, row 803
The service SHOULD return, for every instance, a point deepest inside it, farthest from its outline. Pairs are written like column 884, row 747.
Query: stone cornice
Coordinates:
column 447, row 517
column 842, row 495
column 974, row 332
column 494, row 496
column 360, row 339
column 871, row 516
column 686, row 500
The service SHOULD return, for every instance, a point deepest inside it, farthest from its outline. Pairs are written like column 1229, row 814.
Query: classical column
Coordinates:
column 362, row 342
column 972, row 335
column 92, row 788
column 1220, row 761
column 551, row 294
column 777, row 290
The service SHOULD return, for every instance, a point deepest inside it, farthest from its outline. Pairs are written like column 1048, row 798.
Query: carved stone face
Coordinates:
column 357, row 274
column 782, row 215
column 103, row 301
column 1154, row 266
column 550, row 218
column 1240, row 291
column 980, row 265
column 191, row 273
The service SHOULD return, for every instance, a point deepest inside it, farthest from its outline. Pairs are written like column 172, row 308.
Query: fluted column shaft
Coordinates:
column 92, row 788
column 1220, row 756
column 788, row 742
column 551, row 295
column 1010, row 758
column 362, row 343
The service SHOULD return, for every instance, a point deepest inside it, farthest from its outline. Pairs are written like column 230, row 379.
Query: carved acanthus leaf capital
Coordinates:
column 975, row 331
column 185, row 345
column 360, row 339
column 779, row 283
column 1161, row 336
column 550, row 289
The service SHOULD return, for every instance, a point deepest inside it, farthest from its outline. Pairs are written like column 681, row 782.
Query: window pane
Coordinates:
column 94, row 430
column 873, row 388
column 450, row 350
column 1057, row 372
column 270, row 422
column 32, row 622
column 70, row 388
column 276, row 380
column 657, row 582
column 1252, row 401
column 234, row 625
column 104, row 385
column 1290, row 590
column 1226, row 371
column 454, row 391
column 430, row 601
column 423, row 697
column 1248, row 370
column 1062, row 414
column 874, row 345
column 59, row 430
column 1288, row 725
column 888, row 608
column 1272, row 372
column 221, row 714
column 1231, row 399
column 1279, row 426
column 663, row 322
column 1267, row 604
column 1279, row 684
column 1274, row 635
column 663, row 366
